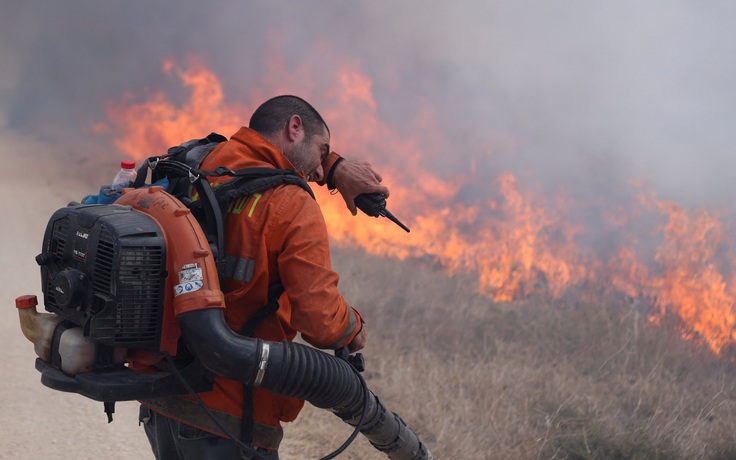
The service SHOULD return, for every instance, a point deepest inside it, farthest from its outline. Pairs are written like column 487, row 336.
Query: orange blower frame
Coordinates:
column 192, row 282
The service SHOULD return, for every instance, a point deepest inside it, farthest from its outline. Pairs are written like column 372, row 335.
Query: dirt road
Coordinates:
column 38, row 422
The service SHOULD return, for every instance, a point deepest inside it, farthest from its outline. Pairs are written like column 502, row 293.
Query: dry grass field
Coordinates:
column 585, row 377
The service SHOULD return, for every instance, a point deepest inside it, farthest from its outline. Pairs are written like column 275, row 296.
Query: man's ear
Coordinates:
column 295, row 129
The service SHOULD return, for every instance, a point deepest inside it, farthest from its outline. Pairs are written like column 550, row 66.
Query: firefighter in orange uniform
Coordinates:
column 276, row 242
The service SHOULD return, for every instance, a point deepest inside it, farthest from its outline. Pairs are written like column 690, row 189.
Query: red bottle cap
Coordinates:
column 127, row 164
column 26, row 301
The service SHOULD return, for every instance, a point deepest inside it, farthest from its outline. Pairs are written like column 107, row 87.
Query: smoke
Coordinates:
column 568, row 92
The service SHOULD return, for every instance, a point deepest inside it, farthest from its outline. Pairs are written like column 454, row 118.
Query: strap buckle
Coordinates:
column 223, row 170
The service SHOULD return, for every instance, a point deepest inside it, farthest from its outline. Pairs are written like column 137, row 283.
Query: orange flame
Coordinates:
column 148, row 128
column 518, row 242
column 692, row 284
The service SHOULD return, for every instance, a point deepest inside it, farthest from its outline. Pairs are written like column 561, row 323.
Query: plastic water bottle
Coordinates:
column 125, row 177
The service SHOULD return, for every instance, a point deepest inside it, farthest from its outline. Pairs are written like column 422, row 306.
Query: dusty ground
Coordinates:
column 38, row 422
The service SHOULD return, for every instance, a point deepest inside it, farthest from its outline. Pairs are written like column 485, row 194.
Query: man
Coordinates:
column 277, row 238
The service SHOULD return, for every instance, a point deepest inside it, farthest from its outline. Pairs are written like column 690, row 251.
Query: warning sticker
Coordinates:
column 190, row 273
column 185, row 288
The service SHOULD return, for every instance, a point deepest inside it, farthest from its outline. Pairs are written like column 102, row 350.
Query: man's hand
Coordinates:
column 351, row 178
column 358, row 341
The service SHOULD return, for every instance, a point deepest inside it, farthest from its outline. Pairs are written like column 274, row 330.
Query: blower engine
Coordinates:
column 127, row 284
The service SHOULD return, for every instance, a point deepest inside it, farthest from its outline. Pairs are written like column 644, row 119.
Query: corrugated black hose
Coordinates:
column 249, row 448
column 295, row 370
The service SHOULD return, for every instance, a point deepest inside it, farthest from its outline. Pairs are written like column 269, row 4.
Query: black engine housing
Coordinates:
column 104, row 269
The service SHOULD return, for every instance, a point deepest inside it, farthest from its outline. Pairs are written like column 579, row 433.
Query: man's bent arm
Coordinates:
column 351, row 178
column 319, row 311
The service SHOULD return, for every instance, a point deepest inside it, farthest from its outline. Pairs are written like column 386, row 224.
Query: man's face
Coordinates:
column 307, row 155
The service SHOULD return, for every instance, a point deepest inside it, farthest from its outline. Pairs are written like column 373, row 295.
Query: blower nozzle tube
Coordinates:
column 294, row 370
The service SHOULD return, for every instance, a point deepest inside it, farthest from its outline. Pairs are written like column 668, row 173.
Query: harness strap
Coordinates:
column 142, row 173
column 247, row 424
column 214, row 223
column 274, row 292
column 249, row 181
column 187, row 411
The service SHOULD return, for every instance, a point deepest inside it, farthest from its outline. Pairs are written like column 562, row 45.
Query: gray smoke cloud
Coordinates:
column 589, row 93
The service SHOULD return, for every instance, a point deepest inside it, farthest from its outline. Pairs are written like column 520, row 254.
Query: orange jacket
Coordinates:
column 278, row 235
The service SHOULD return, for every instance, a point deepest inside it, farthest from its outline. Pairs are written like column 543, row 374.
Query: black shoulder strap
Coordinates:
column 253, row 180
column 274, row 292
column 213, row 204
column 249, row 329
column 213, row 225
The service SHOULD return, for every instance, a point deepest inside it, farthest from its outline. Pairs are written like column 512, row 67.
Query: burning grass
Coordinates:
column 584, row 377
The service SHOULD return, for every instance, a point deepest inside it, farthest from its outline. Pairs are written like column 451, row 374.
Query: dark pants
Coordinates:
column 173, row 440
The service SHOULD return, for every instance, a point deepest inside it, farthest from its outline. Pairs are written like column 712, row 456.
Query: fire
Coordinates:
column 519, row 241
column 150, row 127
column 693, row 284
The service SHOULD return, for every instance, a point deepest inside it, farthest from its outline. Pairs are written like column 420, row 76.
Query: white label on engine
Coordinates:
column 190, row 273
column 185, row 288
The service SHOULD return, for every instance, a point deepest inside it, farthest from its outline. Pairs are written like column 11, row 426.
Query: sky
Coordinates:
column 565, row 92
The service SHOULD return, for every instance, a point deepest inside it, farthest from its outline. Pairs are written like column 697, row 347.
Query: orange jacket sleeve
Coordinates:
column 327, row 164
column 319, row 311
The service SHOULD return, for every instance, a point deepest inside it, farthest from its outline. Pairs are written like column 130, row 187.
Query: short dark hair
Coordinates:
column 273, row 115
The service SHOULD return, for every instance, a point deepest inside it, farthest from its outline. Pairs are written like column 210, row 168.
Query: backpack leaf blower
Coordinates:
column 127, row 284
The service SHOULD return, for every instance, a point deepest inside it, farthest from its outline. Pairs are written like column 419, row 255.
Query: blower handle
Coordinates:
column 357, row 360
